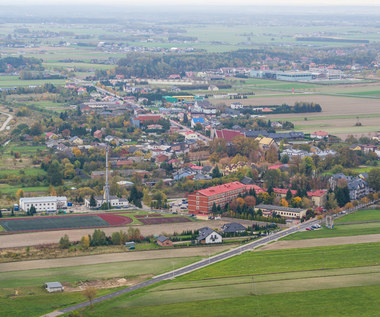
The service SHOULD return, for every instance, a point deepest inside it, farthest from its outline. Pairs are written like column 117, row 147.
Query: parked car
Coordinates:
column 308, row 229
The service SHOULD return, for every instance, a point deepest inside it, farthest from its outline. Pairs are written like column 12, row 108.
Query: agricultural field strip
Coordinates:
column 112, row 257
column 152, row 298
column 260, row 278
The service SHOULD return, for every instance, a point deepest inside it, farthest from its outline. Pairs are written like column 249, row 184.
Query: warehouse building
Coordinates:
column 49, row 203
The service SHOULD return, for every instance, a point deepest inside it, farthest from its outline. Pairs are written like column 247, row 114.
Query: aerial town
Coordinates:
column 159, row 167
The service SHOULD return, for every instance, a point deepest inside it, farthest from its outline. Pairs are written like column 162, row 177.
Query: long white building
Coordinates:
column 48, row 203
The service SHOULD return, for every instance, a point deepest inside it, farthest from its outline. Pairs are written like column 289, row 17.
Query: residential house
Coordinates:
column 76, row 140
column 319, row 135
column 164, row 241
column 209, row 236
column 236, row 105
column 98, row 134
column 357, row 186
column 194, row 121
column 233, row 227
column 265, row 143
column 318, row 197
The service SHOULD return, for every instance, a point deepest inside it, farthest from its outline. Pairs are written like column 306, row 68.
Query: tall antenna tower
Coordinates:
column 106, row 189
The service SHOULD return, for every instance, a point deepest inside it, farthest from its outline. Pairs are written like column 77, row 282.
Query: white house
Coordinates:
column 190, row 135
column 236, row 105
column 49, row 203
column 114, row 202
column 209, row 236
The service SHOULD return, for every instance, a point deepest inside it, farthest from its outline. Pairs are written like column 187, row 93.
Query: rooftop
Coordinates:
column 215, row 190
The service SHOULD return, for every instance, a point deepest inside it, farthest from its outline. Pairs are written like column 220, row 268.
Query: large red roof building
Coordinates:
column 201, row 201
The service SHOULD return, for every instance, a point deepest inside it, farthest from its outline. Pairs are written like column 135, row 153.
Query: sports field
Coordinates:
column 62, row 222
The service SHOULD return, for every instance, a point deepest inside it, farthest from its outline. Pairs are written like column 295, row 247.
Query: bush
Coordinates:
column 64, row 242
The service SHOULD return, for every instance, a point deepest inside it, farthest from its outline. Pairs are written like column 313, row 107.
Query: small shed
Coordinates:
column 164, row 241
column 53, row 287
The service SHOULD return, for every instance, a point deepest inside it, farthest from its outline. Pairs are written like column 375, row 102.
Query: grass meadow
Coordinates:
column 267, row 283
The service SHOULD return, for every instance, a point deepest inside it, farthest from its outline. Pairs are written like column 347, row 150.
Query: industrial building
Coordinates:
column 49, row 203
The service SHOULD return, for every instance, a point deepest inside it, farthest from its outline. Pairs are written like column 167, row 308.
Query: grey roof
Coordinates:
column 233, row 227
column 204, row 233
column 207, row 169
column 162, row 238
column 53, row 284
column 43, row 199
column 272, row 207
column 246, row 180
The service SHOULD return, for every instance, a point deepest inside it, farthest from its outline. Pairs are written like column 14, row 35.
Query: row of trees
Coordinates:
column 99, row 238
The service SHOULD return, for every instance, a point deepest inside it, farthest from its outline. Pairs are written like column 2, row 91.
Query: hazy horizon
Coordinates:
column 300, row 3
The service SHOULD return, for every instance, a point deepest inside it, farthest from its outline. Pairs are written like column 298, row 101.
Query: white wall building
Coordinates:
column 114, row 202
column 49, row 203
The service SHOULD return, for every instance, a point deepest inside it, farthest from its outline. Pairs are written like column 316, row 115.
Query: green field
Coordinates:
column 354, row 229
column 294, row 274
column 34, row 301
column 352, row 301
column 361, row 215
column 8, row 189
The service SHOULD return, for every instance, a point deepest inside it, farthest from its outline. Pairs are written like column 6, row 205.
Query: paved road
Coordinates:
column 191, row 267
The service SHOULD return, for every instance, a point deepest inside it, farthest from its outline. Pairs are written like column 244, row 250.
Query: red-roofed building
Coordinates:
column 318, row 197
column 281, row 192
column 228, row 135
column 319, row 135
column 257, row 189
column 201, row 201
column 144, row 118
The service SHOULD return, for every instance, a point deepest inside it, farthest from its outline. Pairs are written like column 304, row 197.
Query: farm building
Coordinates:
column 48, row 203
column 208, row 236
column 53, row 287
column 164, row 241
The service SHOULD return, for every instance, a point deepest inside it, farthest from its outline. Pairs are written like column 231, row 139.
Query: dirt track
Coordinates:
column 44, row 237
column 307, row 243
column 113, row 257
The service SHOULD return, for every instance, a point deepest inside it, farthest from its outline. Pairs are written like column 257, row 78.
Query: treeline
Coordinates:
column 28, row 75
column 154, row 65
column 330, row 39
column 21, row 62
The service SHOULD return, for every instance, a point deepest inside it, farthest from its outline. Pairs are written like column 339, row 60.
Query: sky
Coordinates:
column 196, row 2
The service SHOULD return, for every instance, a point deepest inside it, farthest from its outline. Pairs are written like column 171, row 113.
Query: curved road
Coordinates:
column 10, row 117
column 191, row 267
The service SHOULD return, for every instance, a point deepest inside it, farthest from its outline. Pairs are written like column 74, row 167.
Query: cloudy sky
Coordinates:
column 196, row 2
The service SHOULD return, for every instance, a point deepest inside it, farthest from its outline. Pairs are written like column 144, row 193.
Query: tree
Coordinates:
column 135, row 196
column 296, row 202
column 216, row 173
column 92, row 201
column 54, row 173
column 89, row 293
column 284, row 203
column 198, row 127
column 374, row 178
column 20, row 194
column 331, row 202
column 32, row 210
column 250, row 201
column 85, row 242
column 98, row 238
column 289, row 195
column 64, row 242
column 214, row 209
column 272, row 154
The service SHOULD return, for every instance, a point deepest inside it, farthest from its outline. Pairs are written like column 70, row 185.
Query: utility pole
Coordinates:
column 106, row 190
